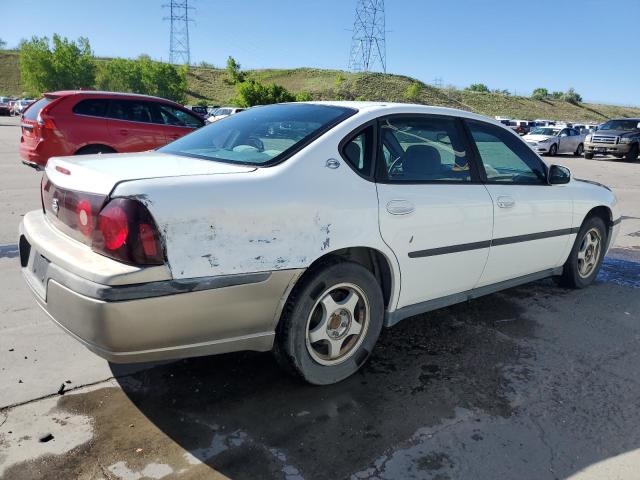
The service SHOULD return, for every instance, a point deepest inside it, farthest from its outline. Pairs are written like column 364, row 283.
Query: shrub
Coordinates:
column 478, row 87
column 571, row 96
column 540, row 94
column 413, row 92
column 252, row 93
column 234, row 74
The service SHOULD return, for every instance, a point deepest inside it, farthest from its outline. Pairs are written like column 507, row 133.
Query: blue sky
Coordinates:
column 591, row 45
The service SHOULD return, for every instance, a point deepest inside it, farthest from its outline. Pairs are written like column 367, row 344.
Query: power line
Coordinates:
column 368, row 43
column 179, row 51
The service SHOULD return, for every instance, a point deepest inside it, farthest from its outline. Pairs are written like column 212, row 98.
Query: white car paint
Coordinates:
column 289, row 215
column 564, row 138
column 223, row 112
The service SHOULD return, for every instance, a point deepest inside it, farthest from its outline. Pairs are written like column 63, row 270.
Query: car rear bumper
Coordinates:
column 153, row 320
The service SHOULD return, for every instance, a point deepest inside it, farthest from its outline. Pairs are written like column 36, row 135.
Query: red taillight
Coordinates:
column 114, row 226
column 126, row 232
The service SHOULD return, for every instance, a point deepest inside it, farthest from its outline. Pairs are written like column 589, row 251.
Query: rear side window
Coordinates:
column 95, row 107
column 358, row 151
column 33, row 111
column 174, row 116
column 130, row 110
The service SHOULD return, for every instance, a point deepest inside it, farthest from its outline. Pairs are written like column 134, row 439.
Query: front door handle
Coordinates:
column 400, row 207
column 123, row 132
column 505, row 202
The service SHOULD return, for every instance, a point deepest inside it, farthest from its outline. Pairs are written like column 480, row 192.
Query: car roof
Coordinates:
column 64, row 93
column 393, row 108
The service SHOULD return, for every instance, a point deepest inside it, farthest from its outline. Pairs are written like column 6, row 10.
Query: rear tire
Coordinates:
column 632, row 155
column 330, row 323
column 585, row 259
column 588, row 156
column 93, row 149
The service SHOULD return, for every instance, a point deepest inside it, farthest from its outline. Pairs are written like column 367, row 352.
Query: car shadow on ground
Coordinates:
column 243, row 416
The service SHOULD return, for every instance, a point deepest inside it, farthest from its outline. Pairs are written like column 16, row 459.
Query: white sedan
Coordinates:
column 223, row 112
column 307, row 240
column 556, row 139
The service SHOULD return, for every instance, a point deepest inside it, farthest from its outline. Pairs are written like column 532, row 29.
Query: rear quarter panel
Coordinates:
column 280, row 217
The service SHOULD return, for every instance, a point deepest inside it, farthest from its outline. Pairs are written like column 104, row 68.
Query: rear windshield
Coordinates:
column 259, row 136
column 33, row 111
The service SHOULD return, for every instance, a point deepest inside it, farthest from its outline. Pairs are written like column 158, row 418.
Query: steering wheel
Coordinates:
column 255, row 143
column 394, row 168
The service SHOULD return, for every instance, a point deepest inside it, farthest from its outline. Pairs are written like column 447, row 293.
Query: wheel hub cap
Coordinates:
column 338, row 324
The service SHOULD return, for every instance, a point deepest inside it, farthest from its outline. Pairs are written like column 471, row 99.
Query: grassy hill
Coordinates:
column 209, row 84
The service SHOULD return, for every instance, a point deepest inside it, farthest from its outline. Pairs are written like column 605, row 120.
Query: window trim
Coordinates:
column 480, row 164
column 381, row 175
column 370, row 177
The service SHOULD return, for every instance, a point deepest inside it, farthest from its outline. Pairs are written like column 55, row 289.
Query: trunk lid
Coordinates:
column 100, row 173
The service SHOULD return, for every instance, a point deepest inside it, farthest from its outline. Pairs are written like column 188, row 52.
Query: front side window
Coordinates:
column 174, row 116
column 260, row 136
column 424, row 149
column 506, row 158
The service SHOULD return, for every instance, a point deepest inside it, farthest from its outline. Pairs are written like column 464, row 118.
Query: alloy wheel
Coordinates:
column 337, row 324
column 589, row 252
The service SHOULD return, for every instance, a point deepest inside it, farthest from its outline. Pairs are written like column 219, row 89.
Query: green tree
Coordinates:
column 478, row 87
column 556, row 95
column 413, row 92
column 571, row 96
column 2, row 43
column 143, row 75
column 66, row 64
column 540, row 94
column 234, row 73
column 252, row 93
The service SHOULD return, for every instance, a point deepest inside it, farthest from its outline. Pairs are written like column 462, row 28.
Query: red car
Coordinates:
column 85, row 122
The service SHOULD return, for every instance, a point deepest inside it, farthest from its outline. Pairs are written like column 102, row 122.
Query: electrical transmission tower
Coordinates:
column 368, row 44
column 179, row 52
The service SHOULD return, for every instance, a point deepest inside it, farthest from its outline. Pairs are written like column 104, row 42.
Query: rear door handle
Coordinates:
column 505, row 202
column 400, row 207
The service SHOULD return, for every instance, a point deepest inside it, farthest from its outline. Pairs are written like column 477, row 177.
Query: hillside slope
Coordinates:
column 208, row 84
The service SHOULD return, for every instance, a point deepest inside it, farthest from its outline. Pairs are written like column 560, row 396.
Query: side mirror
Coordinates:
column 638, row 125
column 559, row 175
column 564, row 135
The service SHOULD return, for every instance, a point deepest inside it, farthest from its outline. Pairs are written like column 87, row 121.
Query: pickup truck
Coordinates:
column 620, row 138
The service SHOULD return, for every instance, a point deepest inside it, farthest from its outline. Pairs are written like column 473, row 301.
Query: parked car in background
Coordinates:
column 20, row 106
column 199, row 109
column 85, row 122
column 5, row 107
column 229, row 239
column 223, row 112
column 620, row 138
column 553, row 140
column 521, row 127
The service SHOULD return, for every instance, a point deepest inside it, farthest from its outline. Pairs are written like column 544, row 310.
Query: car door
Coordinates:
column 434, row 213
column 532, row 220
column 176, row 122
column 564, row 141
column 131, row 126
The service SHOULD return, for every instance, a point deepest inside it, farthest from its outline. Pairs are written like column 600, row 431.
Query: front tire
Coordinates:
column 588, row 156
column 553, row 150
column 330, row 323
column 579, row 150
column 585, row 259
